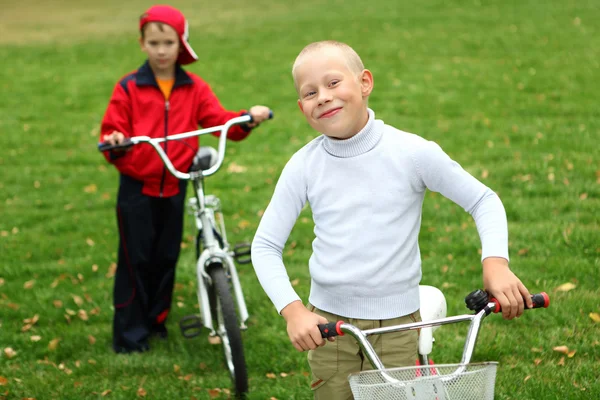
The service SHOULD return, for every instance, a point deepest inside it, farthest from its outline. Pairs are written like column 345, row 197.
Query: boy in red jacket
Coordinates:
column 157, row 100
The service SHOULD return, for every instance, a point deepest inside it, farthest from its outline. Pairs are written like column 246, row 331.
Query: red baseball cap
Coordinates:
column 175, row 19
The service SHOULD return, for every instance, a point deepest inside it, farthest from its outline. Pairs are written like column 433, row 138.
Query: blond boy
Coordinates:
column 365, row 182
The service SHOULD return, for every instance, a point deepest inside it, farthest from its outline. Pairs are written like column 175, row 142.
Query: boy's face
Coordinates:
column 161, row 43
column 332, row 98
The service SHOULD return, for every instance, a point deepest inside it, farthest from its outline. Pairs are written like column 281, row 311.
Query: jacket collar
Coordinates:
column 145, row 76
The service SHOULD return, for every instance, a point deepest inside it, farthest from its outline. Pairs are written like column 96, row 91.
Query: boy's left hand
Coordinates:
column 503, row 284
column 259, row 114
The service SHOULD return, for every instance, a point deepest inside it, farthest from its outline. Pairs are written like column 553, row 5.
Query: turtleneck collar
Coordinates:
column 361, row 143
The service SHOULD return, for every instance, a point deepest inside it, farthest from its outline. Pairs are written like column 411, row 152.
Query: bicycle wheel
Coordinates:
column 228, row 328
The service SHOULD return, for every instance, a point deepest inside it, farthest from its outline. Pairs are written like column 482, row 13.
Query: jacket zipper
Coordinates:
column 162, row 180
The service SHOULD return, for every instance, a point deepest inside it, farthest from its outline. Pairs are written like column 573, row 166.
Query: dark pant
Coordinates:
column 150, row 231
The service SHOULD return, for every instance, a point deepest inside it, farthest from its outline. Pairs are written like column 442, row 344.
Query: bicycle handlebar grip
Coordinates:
column 105, row 146
column 331, row 329
column 539, row 300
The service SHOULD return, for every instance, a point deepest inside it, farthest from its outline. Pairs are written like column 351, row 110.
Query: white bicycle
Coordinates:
column 222, row 306
column 428, row 381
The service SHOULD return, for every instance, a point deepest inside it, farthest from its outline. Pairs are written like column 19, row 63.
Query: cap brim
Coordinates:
column 187, row 55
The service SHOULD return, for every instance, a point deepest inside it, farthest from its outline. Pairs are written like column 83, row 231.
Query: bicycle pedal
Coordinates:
column 241, row 253
column 191, row 326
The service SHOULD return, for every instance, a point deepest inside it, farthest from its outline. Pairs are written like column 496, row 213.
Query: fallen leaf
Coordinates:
column 82, row 314
column 36, row 338
column 77, row 384
column 583, row 196
column 537, row 361
column 9, row 352
column 565, row 287
column 90, row 189
column 295, row 282
column 141, row 392
column 29, row 284
column 3, row 381
column 214, row 393
column 112, row 268
column 1, row 281
column 53, row 345
column 93, row 362
column 526, row 378
column 561, row 361
column 236, row 169
column 202, row 366
column 283, row 374
column 271, row 375
column 78, row 300
column 57, row 303
column 214, row 340
column 595, row 317
column 561, row 349
column 106, row 392
column 536, row 350
column 94, row 268
column 243, row 224
column 571, row 353
column 523, row 252
column 91, row 339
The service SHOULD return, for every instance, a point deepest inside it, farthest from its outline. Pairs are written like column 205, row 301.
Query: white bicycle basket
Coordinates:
column 433, row 382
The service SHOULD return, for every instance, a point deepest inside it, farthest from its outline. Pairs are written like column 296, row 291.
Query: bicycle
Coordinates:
column 223, row 309
column 428, row 381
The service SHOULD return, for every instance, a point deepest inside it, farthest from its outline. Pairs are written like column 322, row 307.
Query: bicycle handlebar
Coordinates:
column 154, row 142
column 540, row 300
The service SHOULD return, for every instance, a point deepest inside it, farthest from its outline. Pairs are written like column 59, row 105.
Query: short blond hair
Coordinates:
column 351, row 57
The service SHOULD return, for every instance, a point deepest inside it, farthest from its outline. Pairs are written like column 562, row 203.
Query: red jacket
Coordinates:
column 138, row 107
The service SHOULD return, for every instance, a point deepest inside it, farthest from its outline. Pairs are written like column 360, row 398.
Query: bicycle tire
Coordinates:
column 231, row 336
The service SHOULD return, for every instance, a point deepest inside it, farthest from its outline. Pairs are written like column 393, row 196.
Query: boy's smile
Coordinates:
column 332, row 98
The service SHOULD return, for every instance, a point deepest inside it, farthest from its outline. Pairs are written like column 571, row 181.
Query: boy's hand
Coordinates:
column 115, row 138
column 503, row 284
column 259, row 114
column 302, row 326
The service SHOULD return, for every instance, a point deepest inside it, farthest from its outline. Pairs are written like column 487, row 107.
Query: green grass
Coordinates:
column 508, row 88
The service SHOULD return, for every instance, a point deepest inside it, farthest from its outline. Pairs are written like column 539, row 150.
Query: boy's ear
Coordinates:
column 366, row 82
column 300, row 105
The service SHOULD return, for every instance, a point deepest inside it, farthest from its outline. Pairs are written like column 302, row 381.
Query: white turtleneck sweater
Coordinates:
column 366, row 195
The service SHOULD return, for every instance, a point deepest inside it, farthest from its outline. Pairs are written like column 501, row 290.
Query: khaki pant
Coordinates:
column 331, row 364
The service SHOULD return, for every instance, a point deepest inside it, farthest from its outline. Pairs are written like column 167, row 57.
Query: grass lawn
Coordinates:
column 508, row 88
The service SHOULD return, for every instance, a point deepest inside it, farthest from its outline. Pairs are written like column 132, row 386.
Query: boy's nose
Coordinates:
column 324, row 97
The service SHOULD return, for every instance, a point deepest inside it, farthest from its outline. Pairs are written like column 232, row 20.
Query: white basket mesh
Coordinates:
column 433, row 382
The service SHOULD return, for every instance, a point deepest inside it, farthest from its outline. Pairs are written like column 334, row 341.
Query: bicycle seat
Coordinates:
column 205, row 158
column 433, row 306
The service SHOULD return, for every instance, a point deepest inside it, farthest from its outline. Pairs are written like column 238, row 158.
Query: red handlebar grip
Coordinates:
column 539, row 300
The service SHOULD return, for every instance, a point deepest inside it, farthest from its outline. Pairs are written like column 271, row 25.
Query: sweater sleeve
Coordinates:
column 440, row 173
column 273, row 231
column 117, row 118
column 211, row 113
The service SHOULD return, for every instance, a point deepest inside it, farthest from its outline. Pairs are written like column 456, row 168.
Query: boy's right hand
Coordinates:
column 302, row 326
column 115, row 138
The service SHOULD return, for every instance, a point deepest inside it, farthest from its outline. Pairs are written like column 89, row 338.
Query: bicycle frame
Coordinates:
column 204, row 213
column 204, row 210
